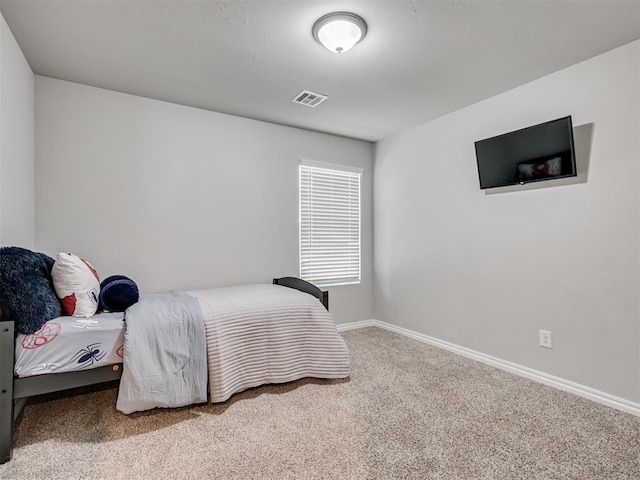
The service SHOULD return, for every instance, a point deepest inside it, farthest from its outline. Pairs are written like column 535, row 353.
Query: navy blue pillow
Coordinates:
column 26, row 291
column 117, row 293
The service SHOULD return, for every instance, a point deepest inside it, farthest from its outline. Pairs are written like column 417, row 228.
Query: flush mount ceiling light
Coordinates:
column 339, row 31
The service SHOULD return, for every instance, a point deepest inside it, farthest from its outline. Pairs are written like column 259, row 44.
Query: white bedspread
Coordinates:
column 260, row 334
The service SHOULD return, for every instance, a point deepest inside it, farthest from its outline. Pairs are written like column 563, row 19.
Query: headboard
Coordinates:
column 7, row 342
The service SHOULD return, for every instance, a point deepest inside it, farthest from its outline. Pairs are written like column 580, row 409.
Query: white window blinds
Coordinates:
column 329, row 224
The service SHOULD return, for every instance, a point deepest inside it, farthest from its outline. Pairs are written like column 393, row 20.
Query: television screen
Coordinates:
column 532, row 154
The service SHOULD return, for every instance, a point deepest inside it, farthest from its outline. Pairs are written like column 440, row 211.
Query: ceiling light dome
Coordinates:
column 339, row 31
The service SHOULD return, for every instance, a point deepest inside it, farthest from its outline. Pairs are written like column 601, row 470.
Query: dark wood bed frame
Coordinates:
column 14, row 392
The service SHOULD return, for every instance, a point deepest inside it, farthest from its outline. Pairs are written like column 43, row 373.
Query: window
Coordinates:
column 329, row 224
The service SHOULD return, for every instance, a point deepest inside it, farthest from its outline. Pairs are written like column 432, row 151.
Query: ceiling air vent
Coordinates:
column 310, row 99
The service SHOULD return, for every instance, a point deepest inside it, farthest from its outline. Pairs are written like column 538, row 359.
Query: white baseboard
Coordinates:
column 343, row 327
column 618, row 403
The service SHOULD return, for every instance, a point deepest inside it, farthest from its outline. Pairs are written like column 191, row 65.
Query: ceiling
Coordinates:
column 419, row 60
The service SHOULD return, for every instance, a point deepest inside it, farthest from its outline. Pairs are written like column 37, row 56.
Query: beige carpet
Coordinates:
column 409, row 410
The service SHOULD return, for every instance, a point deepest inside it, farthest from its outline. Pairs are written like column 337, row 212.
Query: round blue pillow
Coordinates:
column 117, row 293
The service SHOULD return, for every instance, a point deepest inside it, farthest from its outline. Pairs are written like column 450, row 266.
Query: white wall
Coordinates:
column 16, row 143
column 488, row 270
column 177, row 197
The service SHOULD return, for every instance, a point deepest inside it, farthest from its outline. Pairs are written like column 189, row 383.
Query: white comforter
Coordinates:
column 260, row 334
column 165, row 361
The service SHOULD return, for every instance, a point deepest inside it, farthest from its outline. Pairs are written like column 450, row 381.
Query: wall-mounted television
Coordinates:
column 532, row 154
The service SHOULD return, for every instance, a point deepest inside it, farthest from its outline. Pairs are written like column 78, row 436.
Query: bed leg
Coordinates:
column 325, row 299
column 6, row 390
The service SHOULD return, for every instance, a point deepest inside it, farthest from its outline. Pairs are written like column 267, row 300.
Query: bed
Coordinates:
column 250, row 341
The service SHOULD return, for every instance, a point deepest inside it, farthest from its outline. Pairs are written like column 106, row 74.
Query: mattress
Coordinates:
column 67, row 344
column 261, row 334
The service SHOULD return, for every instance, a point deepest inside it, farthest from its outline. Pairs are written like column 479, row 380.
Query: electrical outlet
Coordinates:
column 545, row 339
